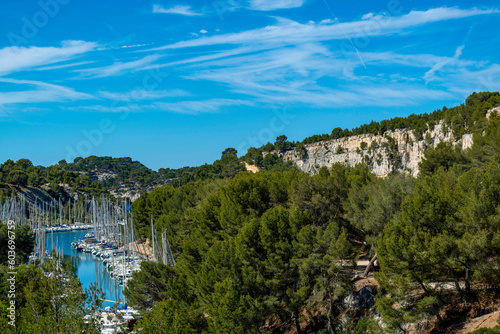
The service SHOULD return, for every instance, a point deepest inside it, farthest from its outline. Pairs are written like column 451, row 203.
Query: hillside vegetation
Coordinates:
column 274, row 251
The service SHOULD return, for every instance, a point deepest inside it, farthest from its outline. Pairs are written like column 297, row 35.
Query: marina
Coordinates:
column 97, row 237
column 88, row 268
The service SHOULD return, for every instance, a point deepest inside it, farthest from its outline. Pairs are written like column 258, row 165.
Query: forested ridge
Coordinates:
column 469, row 117
column 274, row 251
column 101, row 175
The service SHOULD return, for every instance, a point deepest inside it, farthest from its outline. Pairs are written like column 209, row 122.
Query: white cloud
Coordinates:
column 268, row 5
column 56, row 67
column 178, row 9
column 413, row 60
column 304, row 74
column 430, row 75
column 196, row 107
column 119, row 68
column 288, row 32
column 135, row 45
column 328, row 21
column 143, row 94
column 42, row 92
column 367, row 16
column 289, row 62
column 182, row 107
column 15, row 59
column 110, row 109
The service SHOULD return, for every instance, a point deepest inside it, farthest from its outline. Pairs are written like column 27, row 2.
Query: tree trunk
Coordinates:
column 370, row 266
column 457, row 285
column 297, row 324
column 467, row 281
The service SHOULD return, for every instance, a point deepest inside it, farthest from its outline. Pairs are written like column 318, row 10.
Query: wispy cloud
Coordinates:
column 286, row 62
column 119, row 68
column 290, row 62
column 57, row 67
column 15, row 59
column 42, row 92
column 268, row 5
column 181, row 107
column 430, row 75
column 134, row 45
column 178, row 9
column 202, row 106
column 416, row 60
column 143, row 95
column 288, row 32
column 313, row 75
column 110, row 109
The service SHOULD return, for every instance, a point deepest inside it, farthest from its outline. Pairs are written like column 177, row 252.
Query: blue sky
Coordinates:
column 173, row 83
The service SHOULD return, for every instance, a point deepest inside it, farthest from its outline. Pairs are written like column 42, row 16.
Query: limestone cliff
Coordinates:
column 394, row 150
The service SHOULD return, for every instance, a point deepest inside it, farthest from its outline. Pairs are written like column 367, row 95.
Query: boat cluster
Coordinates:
column 119, row 262
column 113, row 320
column 66, row 228
column 39, row 255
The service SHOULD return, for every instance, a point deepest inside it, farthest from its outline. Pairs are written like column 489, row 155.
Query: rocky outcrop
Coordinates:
column 133, row 192
column 251, row 168
column 396, row 150
column 103, row 176
column 126, row 192
column 363, row 299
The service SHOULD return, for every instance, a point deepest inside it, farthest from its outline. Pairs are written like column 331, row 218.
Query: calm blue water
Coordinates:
column 86, row 265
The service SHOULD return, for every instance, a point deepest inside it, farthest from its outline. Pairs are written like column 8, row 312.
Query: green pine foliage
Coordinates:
column 445, row 237
column 24, row 243
column 270, row 251
column 46, row 303
column 250, row 248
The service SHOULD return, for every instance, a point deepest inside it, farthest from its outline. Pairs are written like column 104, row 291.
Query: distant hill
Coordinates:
column 119, row 177
column 122, row 177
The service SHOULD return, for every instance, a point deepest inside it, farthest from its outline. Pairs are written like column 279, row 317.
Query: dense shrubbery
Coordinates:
column 24, row 243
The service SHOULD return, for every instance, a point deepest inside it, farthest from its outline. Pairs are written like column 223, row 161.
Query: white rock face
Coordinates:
column 382, row 154
column 103, row 176
column 132, row 195
column 467, row 141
